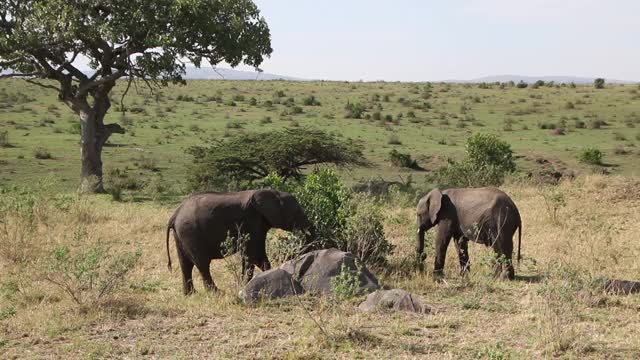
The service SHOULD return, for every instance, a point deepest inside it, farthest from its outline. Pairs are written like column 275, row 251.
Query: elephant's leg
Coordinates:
column 443, row 237
column 205, row 272
column 503, row 247
column 462, row 245
column 186, row 265
column 261, row 253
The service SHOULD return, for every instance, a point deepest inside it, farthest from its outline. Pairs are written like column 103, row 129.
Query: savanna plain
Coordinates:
column 85, row 276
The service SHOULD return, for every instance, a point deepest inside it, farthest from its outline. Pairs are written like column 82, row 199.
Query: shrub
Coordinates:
column 296, row 110
column 253, row 101
column 488, row 161
column 346, row 284
column 234, row 125
column 507, row 124
column 341, row 220
column 489, row 150
column 42, row 153
column 467, row 174
column 364, row 233
column 145, row 162
column 88, row 271
column 239, row 98
column 4, row 139
column 354, row 111
column 310, row 101
column 569, row 105
column 266, row 120
column 522, row 85
column 250, row 157
column 394, row 140
column 597, row 124
column 591, row 156
column 399, row 159
column 598, row 83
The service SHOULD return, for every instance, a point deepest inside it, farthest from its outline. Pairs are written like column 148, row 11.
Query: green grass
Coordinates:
column 163, row 125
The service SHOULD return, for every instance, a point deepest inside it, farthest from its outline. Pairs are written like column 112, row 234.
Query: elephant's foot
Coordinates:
column 438, row 276
column 188, row 290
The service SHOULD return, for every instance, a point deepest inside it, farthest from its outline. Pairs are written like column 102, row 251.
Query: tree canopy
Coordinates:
column 151, row 40
column 253, row 156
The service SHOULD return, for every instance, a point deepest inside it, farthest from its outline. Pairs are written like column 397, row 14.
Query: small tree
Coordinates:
column 598, row 83
column 142, row 39
column 246, row 158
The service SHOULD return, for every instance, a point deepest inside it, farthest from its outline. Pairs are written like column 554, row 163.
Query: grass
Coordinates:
column 166, row 123
column 553, row 310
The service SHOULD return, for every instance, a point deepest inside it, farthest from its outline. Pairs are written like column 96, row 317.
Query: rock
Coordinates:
column 315, row 269
column 624, row 287
column 271, row 284
column 395, row 299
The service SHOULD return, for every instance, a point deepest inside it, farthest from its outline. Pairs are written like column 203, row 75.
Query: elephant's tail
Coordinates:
column 170, row 226
column 519, row 240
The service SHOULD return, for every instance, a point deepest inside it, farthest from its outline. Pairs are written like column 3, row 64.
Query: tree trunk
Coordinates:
column 90, row 153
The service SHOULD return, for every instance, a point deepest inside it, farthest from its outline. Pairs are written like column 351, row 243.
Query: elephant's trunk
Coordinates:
column 420, row 255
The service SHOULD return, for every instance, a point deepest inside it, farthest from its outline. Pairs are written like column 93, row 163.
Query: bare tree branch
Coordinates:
column 46, row 86
column 4, row 76
column 11, row 62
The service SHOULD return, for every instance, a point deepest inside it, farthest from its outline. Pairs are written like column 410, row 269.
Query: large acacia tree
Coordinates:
column 137, row 39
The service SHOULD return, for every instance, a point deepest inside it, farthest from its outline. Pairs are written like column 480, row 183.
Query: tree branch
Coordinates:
column 12, row 62
column 106, row 79
column 4, row 76
column 46, row 86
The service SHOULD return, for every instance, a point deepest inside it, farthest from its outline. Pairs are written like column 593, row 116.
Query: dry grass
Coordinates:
column 554, row 310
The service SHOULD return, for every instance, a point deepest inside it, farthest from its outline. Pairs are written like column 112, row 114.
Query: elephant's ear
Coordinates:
column 435, row 203
column 269, row 205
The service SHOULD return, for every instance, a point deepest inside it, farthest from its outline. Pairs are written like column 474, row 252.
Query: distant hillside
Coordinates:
column 532, row 79
column 207, row 73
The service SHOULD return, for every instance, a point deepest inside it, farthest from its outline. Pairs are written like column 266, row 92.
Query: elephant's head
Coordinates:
column 281, row 210
column 429, row 207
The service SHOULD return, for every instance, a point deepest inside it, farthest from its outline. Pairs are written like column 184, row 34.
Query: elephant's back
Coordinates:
column 205, row 210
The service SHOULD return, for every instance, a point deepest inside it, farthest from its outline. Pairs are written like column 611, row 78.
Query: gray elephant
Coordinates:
column 485, row 215
column 202, row 223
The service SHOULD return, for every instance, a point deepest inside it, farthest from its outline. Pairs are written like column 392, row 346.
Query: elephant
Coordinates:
column 485, row 215
column 202, row 223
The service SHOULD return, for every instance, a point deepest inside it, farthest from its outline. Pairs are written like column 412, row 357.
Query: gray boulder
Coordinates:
column 271, row 284
column 315, row 269
column 395, row 299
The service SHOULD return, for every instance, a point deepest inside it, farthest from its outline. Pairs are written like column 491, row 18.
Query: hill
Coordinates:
column 532, row 79
column 208, row 73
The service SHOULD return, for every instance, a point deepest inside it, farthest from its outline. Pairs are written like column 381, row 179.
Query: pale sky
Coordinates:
column 420, row 40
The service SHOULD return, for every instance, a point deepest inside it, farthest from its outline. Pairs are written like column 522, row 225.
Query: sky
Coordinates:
column 429, row 40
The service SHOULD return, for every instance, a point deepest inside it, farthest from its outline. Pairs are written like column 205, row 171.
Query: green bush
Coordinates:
column 363, row 233
column 488, row 161
column 310, row 101
column 42, row 154
column 342, row 220
column 399, row 159
column 489, row 150
column 598, row 83
column 591, row 156
column 4, row 139
column 354, row 111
